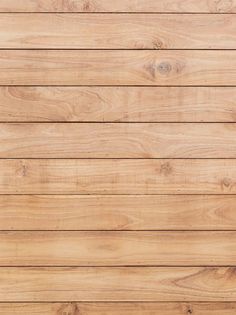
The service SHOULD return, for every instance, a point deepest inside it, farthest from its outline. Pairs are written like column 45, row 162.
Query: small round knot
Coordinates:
column 189, row 310
column 88, row 6
column 226, row 182
column 164, row 67
column 166, row 169
column 68, row 309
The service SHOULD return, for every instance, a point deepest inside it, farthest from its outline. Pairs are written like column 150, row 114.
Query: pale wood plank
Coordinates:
column 126, row 308
column 117, row 176
column 123, row 104
column 118, row 284
column 164, row 212
column 109, row 31
column 106, row 248
column 140, row 140
column 178, row 6
column 117, row 67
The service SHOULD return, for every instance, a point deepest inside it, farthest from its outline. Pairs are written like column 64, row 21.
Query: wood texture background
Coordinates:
column 117, row 157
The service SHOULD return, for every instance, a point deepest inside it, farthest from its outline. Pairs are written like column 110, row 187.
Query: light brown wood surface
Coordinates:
column 117, row 284
column 94, row 31
column 117, row 176
column 117, row 104
column 123, row 212
column 105, row 248
column 117, row 157
column 177, row 6
column 139, row 140
column 118, row 67
column 126, row 308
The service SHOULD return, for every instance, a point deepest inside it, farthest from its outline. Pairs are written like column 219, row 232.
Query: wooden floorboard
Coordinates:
column 117, row 104
column 105, row 248
column 109, row 31
column 140, row 140
column 176, row 6
column 118, row 67
column 117, row 284
column 123, row 212
column 109, row 308
column 117, row 176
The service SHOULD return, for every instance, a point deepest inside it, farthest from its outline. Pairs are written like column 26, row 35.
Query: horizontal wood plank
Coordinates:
column 139, row 140
column 109, row 248
column 126, row 308
column 163, row 212
column 99, row 176
column 117, row 284
column 113, row 104
column 118, row 67
column 177, row 6
column 109, row 31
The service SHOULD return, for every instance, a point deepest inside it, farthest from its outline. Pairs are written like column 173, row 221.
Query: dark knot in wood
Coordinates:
column 164, row 68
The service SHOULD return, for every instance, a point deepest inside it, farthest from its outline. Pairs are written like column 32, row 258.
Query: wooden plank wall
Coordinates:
column 117, row 157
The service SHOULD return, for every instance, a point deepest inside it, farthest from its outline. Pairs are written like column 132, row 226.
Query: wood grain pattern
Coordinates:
column 118, row 67
column 117, row 248
column 109, row 31
column 126, row 308
column 99, row 176
column 163, row 212
column 118, row 284
column 149, row 140
column 123, row 104
column 178, row 6
column 117, row 157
